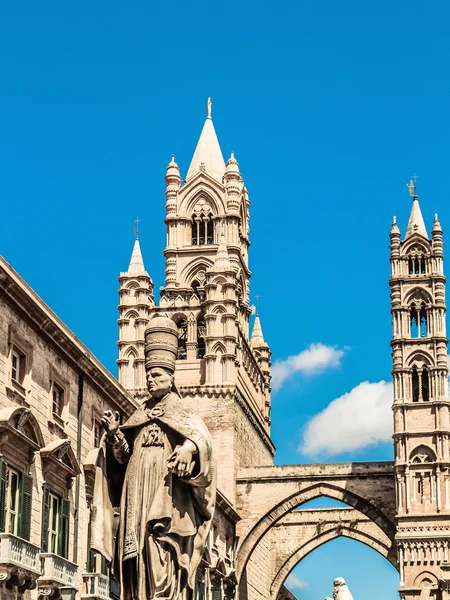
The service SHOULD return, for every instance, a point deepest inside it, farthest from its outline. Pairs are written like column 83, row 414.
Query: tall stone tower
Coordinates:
column 421, row 404
column 135, row 303
column 221, row 373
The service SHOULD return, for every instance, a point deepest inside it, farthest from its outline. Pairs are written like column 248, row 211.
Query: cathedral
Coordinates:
column 53, row 392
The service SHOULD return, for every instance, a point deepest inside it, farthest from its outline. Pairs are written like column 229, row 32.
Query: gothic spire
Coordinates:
column 416, row 223
column 257, row 339
column 136, row 262
column 208, row 155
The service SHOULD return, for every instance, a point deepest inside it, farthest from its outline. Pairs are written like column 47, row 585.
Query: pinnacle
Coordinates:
column 257, row 339
column 416, row 223
column 136, row 262
column 208, row 155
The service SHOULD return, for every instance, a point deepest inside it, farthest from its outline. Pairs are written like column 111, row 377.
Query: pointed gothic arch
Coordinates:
column 196, row 270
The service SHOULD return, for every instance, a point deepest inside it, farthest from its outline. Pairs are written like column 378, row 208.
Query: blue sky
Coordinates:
column 329, row 107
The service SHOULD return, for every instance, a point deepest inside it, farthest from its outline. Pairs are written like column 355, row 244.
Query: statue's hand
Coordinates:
column 110, row 421
column 181, row 460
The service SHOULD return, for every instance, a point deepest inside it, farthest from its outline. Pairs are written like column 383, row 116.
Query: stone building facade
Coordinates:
column 53, row 392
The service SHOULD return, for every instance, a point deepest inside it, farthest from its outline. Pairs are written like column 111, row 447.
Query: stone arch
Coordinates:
column 322, row 538
column 202, row 191
column 21, row 422
column 132, row 285
column 131, row 314
column 419, row 295
column 419, row 358
column 422, row 454
column 352, row 498
column 193, row 270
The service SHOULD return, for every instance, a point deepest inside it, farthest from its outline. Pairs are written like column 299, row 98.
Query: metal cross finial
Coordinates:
column 136, row 228
column 208, row 108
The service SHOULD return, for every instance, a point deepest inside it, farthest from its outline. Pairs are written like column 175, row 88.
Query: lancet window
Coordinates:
column 202, row 229
column 420, row 380
column 417, row 265
column 418, row 320
column 182, row 326
column 201, row 333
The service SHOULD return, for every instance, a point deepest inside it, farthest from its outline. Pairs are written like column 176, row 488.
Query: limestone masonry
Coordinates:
column 53, row 393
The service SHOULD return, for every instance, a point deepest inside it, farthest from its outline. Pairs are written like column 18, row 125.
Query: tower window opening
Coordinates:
column 416, row 266
column 419, row 485
column 182, row 339
column 209, row 230
column 414, row 321
column 422, row 265
column 423, row 320
column 201, row 333
column 425, row 385
column 410, row 266
column 415, row 384
column 195, row 230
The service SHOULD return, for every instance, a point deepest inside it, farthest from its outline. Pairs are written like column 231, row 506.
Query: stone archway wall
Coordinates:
column 302, row 531
column 267, row 494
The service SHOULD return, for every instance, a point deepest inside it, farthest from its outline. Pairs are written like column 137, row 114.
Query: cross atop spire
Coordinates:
column 412, row 185
column 416, row 223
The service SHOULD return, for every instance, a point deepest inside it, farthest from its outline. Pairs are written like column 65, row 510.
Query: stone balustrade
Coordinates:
column 95, row 586
column 57, row 572
column 19, row 559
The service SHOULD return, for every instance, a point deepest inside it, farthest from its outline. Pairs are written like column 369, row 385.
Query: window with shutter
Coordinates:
column 3, row 468
column 26, row 493
column 63, row 549
column 216, row 593
column 45, row 518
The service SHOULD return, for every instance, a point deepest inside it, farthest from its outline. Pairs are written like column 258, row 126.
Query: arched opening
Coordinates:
column 423, row 268
column 410, row 266
column 414, row 321
column 423, row 320
column 415, row 384
column 182, row 339
column 201, row 334
column 420, row 382
column 202, row 228
column 345, row 557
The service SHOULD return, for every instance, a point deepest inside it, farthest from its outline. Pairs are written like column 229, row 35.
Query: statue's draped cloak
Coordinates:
column 182, row 507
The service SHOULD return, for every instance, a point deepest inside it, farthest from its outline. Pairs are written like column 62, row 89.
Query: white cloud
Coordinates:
column 295, row 583
column 360, row 418
column 314, row 359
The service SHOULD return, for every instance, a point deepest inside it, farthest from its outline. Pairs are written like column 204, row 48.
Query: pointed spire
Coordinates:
column 208, row 155
column 136, row 262
column 222, row 261
column 257, row 339
column 394, row 227
column 416, row 223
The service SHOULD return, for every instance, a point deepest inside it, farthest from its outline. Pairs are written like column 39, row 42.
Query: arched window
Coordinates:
column 182, row 339
column 422, row 265
column 202, row 226
column 414, row 321
column 423, row 320
column 425, row 385
column 410, row 266
column 416, row 266
column 415, row 384
column 201, row 333
column 420, row 380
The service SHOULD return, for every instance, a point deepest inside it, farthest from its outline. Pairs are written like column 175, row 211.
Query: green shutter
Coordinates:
column 216, row 593
column 63, row 543
column 45, row 518
column 3, row 468
column 199, row 590
column 26, row 493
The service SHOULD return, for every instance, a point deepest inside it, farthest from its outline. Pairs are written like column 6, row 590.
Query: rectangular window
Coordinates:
column 18, row 366
column 53, row 523
column 97, row 434
column 57, row 399
column 12, row 501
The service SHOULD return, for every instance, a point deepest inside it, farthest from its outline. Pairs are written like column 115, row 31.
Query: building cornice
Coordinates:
column 24, row 299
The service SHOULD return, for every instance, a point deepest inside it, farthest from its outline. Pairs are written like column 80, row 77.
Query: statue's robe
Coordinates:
column 164, row 519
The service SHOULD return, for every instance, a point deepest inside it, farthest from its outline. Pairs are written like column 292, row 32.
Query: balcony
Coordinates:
column 58, row 573
column 19, row 559
column 95, row 586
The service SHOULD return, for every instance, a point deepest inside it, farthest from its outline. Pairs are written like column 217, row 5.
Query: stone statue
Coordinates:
column 340, row 590
column 154, row 491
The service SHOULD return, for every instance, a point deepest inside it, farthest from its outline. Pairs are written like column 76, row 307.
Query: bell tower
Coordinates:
column 220, row 371
column 421, row 404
